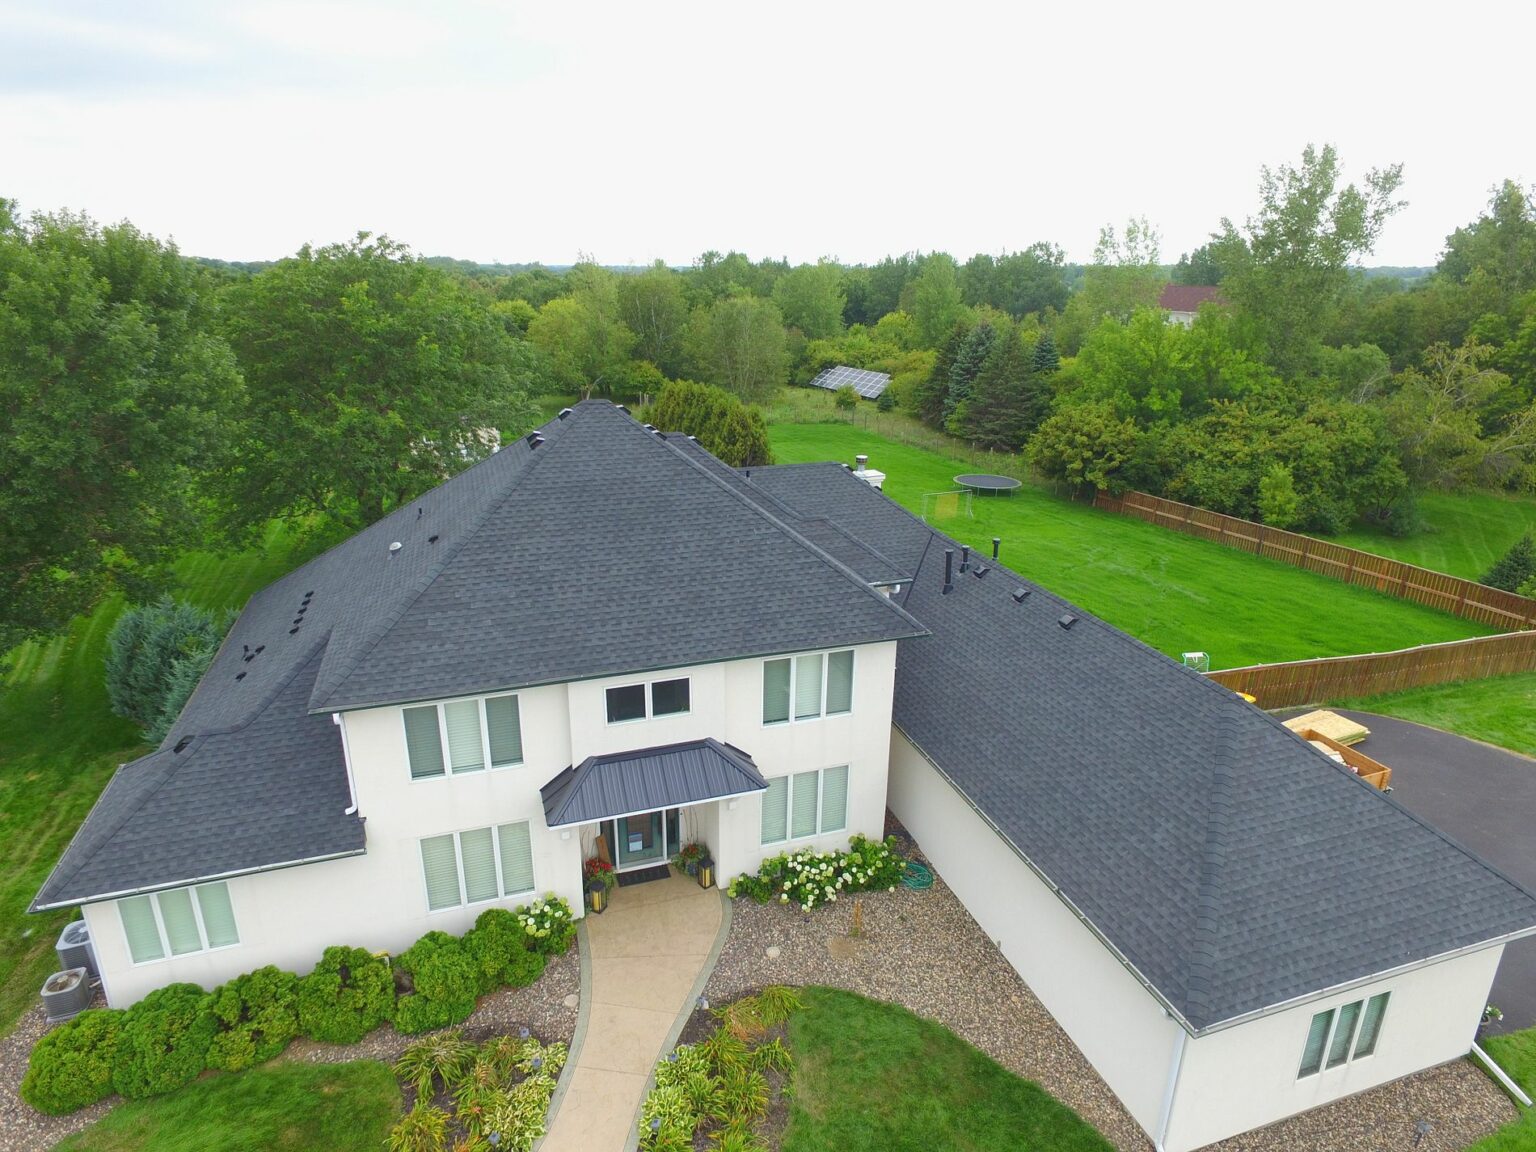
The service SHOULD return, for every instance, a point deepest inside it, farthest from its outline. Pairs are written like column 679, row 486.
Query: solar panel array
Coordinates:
column 867, row 384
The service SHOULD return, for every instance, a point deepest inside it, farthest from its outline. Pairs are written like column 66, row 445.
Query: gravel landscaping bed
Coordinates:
column 541, row 1007
column 924, row 951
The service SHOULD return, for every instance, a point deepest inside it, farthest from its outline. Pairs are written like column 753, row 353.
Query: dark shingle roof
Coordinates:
column 524, row 569
column 648, row 779
column 1233, row 866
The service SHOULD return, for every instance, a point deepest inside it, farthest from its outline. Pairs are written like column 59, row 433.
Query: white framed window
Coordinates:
column 647, row 700
column 477, row 865
column 805, row 804
column 799, row 688
column 462, row 736
column 1340, row 1035
column 178, row 922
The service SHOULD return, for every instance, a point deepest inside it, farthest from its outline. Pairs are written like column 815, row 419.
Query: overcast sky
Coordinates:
column 519, row 132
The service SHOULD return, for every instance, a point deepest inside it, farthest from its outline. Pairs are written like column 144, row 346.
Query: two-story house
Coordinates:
column 602, row 630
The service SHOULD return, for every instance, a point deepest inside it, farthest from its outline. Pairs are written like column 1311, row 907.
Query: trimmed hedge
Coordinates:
column 349, row 994
column 168, row 1038
column 71, row 1066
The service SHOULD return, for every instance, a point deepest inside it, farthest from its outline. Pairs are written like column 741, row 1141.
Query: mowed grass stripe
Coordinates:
column 1465, row 532
column 1174, row 592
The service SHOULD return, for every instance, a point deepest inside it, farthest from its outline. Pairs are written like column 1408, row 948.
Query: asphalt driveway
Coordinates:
column 1483, row 797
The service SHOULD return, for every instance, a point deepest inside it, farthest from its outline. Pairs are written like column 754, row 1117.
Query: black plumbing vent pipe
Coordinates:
column 949, row 571
column 997, row 543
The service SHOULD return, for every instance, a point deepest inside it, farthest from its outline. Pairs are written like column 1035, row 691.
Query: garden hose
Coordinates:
column 916, row 876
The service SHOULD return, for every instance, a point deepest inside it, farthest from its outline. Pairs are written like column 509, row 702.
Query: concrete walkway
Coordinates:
column 646, row 953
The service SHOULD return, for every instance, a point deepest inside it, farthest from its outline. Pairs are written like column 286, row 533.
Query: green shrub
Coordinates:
column 548, row 924
column 349, row 994
column 846, row 398
column 499, row 947
column 446, row 1059
column 258, row 1015
column 810, row 877
column 887, row 401
column 422, row 1129
column 446, row 980
column 71, row 1066
column 163, row 1041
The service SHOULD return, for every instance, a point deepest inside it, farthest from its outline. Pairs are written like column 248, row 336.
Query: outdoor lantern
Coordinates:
column 597, row 896
column 706, row 873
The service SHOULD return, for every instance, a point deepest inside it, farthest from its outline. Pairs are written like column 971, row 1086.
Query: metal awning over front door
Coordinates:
column 648, row 779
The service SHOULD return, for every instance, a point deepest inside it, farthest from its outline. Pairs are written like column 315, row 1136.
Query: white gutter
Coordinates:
column 100, row 896
column 1501, row 1076
column 1169, row 1092
column 346, row 756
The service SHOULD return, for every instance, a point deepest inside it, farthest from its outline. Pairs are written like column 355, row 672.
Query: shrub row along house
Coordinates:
column 602, row 629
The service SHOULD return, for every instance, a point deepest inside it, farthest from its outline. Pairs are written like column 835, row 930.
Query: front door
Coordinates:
column 643, row 841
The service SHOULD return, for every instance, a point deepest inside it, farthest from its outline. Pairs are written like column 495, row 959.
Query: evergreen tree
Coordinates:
column 929, row 396
column 1046, row 360
column 725, row 427
column 967, row 366
column 156, row 653
column 1008, row 399
column 1515, row 567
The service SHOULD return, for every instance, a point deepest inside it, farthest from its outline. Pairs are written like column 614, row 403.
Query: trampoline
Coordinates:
column 987, row 484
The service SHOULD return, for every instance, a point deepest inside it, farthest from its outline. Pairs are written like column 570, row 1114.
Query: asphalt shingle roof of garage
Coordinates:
column 1230, row 864
column 595, row 547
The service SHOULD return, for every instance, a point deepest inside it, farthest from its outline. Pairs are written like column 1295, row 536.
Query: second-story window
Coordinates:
column 807, row 687
column 639, row 701
column 463, row 736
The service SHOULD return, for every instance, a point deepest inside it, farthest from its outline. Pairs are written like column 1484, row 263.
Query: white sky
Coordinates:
column 518, row 132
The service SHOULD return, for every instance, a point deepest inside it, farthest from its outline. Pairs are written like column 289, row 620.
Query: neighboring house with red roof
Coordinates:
column 1182, row 301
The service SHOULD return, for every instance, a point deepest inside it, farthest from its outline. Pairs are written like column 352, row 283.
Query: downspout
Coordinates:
column 1168, row 1093
column 346, row 755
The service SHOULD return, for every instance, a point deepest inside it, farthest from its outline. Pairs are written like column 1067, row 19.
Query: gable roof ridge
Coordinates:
column 174, row 763
column 837, row 566
column 430, row 577
column 1221, row 801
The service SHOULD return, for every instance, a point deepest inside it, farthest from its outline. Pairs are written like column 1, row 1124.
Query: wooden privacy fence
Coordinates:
column 1465, row 598
column 1342, row 677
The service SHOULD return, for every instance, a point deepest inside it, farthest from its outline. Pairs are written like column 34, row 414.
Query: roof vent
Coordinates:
column 980, row 570
column 649, row 427
column 997, row 543
column 432, row 539
column 862, row 461
column 181, row 745
column 1020, row 595
column 965, row 558
column 564, row 412
column 949, row 571
column 260, row 648
column 1067, row 620
column 292, row 630
column 534, row 439
column 394, row 547
column 622, row 409
column 419, row 511
column 239, row 675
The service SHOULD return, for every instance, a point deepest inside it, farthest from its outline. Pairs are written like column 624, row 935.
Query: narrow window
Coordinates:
column 669, row 697
column 423, row 742
column 504, row 725
column 180, row 921
column 776, row 810
column 1317, row 1039
column 1343, row 1034
column 803, row 804
column 218, row 915
column 465, row 751
column 775, row 691
column 839, row 682
column 1370, row 1024
column 834, row 799
column 140, row 929
column 626, row 703
column 516, row 858
column 479, row 857
column 440, row 866
column 807, row 687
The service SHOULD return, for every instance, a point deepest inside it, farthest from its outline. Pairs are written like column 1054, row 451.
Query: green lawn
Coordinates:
column 1174, row 592
column 1500, row 711
column 870, row 1075
column 274, row 1108
column 59, row 745
column 1515, row 1052
column 1466, row 532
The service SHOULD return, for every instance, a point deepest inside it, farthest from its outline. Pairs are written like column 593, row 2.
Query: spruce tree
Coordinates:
column 1003, row 408
column 1515, row 567
column 1046, row 360
column 962, row 375
column 929, row 396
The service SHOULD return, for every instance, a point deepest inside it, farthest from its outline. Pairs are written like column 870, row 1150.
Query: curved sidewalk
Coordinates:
column 645, row 953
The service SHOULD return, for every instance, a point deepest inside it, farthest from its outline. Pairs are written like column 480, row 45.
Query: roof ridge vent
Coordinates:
column 1067, row 620
column 1019, row 595
column 622, row 409
column 534, row 438
column 564, row 412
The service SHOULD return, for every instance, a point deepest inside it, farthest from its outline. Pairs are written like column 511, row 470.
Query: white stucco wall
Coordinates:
column 287, row 917
column 1245, row 1077
column 1116, row 1023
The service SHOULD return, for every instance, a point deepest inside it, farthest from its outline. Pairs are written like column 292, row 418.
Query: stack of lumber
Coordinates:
column 1331, row 725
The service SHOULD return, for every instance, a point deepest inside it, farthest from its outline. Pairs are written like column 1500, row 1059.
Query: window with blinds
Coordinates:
column 802, row 804
column 178, row 922
column 776, row 810
column 477, row 865
column 834, row 799
column 1343, row 1034
column 807, row 687
column 463, row 736
column 805, row 804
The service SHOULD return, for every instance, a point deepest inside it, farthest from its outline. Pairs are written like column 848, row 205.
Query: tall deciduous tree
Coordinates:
column 112, row 390
column 583, row 334
column 370, row 377
column 653, row 306
column 738, row 344
column 811, row 299
column 936, row 302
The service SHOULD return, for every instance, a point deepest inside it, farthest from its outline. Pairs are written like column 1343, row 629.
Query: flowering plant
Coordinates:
column 689, row 856
column 596, row 868
column 810, row 877
column 548, row 923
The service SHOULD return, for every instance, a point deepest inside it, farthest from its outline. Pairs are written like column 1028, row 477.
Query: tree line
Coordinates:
column 150, row 402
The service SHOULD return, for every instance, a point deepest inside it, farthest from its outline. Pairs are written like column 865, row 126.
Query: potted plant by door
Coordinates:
column 688, row 857
column 600, row 880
